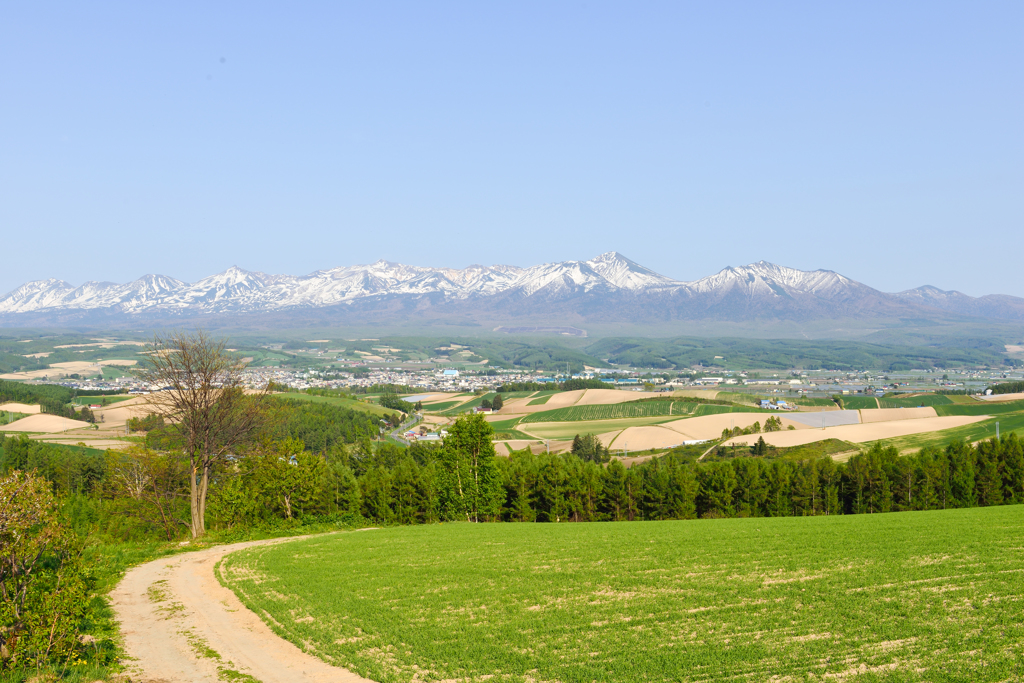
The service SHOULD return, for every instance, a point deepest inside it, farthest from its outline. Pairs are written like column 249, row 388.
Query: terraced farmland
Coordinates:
column 917, row 596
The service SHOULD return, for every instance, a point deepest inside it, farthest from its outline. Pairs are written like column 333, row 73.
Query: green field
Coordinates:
column 859, row 402
column 915, row 401
column 109, row 399
column 918, row 596
column 977, row 408
column 349, row 403
column 619, row 411
column 440, row 407
column 540, row 401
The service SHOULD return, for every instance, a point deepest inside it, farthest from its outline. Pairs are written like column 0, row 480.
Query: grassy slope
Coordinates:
column 910, row 597
column 349, row 403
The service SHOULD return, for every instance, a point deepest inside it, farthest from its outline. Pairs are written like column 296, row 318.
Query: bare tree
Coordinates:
column 197, row 386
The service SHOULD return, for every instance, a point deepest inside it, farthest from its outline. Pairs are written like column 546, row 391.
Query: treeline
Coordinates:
column 322, row 428
column 686, row 352
column 53, row 399
column 284, row 480
column 1007, row 388
column 558, row 488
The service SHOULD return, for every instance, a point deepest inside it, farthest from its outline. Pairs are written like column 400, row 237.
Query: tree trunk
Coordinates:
column 197, row 497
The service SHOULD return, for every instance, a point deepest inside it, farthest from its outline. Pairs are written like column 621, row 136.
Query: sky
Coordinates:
column 881, row 140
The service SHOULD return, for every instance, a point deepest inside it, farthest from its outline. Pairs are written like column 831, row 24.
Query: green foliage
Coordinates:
column 34, row 393
column 468, row 481
column 43, row 585
column 589, row 448
column 1008, row 388
column 340, row 400
column 147, row 423
column 393, row 402
column 321, row 426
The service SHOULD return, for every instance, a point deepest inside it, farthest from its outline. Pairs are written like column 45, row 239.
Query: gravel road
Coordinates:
column 180, row 625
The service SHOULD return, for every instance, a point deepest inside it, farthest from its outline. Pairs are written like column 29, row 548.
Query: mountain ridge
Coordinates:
column 608, row 287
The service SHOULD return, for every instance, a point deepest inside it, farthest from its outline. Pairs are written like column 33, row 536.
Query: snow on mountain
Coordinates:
column 757, row 289
column 36, row 295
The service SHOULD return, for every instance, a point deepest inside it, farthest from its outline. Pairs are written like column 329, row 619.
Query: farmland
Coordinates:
column 618, row 411
column 915, row 401
column 905, row 596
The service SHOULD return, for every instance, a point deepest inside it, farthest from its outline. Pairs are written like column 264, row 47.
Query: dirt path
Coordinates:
column 179, row 624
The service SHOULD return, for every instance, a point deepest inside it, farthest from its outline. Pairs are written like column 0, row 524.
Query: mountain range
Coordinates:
column 608, row 288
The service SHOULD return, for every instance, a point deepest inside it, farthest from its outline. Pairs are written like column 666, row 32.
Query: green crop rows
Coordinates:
column 918, row 596
column 915, row 401
column 859, row 403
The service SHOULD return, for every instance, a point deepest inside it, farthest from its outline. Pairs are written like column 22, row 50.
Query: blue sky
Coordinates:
column 880, row 140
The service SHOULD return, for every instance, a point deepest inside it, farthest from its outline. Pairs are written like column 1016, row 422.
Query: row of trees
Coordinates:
column 464, row 480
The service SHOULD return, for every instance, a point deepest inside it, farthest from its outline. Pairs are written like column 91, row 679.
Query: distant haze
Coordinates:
column 882, row 140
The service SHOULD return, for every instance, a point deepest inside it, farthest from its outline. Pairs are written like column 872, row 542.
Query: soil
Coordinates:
column 43, row 423
column 861, row 433
column 180, row 624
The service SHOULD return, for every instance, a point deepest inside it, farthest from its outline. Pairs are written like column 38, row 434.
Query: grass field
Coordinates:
column 541, row 400
column 618, row 411
column 915, row 401
column 920, row 596
column 102, row 400
column 859, row 402
column 976, row 408
column 349, row 403
column 440, row 407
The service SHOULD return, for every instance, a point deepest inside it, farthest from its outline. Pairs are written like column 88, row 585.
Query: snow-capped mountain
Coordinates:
column 607, row 288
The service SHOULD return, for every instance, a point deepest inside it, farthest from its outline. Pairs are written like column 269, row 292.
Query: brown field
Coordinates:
column 68, row 368
column 895, row 414
column 1001, row 397
column 20, row 408
column 43, row 423
column 861, row 433
column 643, row 438
column 103, row 344
column 601, row 397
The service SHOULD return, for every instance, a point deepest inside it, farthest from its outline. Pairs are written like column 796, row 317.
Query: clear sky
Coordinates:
column 881, row 140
